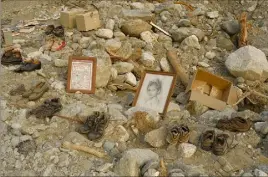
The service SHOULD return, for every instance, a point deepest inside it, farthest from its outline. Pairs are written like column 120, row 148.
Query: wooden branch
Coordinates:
column 68, row 145
column 243, row 37
column 242, row 98
column 181, row 73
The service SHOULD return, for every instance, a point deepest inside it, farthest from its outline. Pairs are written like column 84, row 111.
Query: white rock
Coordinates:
column 104, row 33
column 258, row 173
column 210, row 55
column 114, row 73
column 173, row 107
column 16, row 126
column 110, row 24
column 59, row 85
column 187, row 149
column 75, row 46
column 203, row 64
column 149, row 37
column 45, row 57
column 31, row 104
column 120, row 133
column 84, row 40
column 248, row 62
column 151, row 173
column 191, row 41
column 164, row 64
column 105, row 167
column 157, row 137
column 113, row 44
column 34, row 55
column 60, row 63
column 213, row 14
column 116, row 114
column 137, row 5
column 15, row 141
column 261, row 127
column 123, row 67
column 131, row 79
column 147, row 59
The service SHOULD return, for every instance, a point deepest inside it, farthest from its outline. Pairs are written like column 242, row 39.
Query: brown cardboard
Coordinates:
column 88, row 21
column 67, row 18
column 211, row 90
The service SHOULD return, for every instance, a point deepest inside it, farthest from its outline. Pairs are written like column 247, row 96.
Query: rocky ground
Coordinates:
column 203, row 38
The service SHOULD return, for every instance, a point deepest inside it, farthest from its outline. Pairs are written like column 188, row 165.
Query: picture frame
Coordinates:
column 81, row 74
column 155, row 90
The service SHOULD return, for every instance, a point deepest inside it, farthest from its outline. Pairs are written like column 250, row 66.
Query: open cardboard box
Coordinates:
column 211, row 90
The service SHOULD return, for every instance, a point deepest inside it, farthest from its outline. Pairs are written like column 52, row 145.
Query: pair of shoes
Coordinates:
column 94, row 126
column 216, row 143
column 57, row 31
column 237, row 124
column 36, row 92
column 54, row 44
column 47, row 109
column 29, row 65
column 18, row 90
column 178, row 134
column 11, row 57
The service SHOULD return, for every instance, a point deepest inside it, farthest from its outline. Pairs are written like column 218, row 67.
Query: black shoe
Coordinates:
column 11, row 57
column 49, row 29
column 58, row 31
column 28, row 66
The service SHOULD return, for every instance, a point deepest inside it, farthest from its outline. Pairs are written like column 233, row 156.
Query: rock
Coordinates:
column 224, row 43
column 31, row 104
column 156, row 138
column 196, row 108
column 248, row 62
column 253, row 6
column 105, row 167
column 113, row 44
column 132, row 160
column 152, row 114
column 178, row 115
column 110, row 24
column 265, row 50
column 116, row 114
column 85, row 40
column 176, row 175
column 135, row 27
column 247, row 175
column 149, row 37
column 104, row 33
column 151, row 173
column 114, row 73
column 123, row 67
column 182, row 98
column 34, row 55
column 120, row 35
column 231, row 27
column 191, row 41
column 60, row 63
column 15, row 141
column 203, row 64
column 184, row 23
column 125, row 51
column 213, row 14
column 45, row 57
column 147, row 59
column 142, row 14
column 261, row 127
column 152, row 164
column 137, row 5
column 194, row 137
column 165, row 66
column 104, row 65
column 187, row 150
column 131, row 79
column 180, row 34
column 108, row 146
column 258, row 172
column 15, row 125
column 173, row 107
column 120, row 133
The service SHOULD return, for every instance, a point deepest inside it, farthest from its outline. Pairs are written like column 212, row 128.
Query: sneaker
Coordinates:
column 178, row 134
column 220, row 144
column 237, row 124
column 207, row 140
column 29, row 65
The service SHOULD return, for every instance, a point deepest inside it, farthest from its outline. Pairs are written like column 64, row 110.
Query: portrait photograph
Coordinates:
column 81, row 74
column 155, row 90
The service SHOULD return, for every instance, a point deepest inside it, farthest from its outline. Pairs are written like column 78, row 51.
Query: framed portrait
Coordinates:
column 81, row 74
column 155, row 90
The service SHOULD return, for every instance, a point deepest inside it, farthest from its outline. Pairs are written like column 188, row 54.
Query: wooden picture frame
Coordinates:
column 83, row 67
column 155, row 90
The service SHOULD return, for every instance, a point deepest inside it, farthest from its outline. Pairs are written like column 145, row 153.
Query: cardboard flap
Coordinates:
column 233, row 97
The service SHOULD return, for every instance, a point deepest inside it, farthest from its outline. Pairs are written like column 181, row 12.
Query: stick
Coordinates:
column 68, row 145
column 160, row 29
column 181, row 73
column 242, row 98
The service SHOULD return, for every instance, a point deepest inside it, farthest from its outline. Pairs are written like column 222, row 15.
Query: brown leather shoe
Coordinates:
column 49, row 29
column 207, row 140
column 11, row 57
column 220, row 144
column 237, row 124
column 30, row 65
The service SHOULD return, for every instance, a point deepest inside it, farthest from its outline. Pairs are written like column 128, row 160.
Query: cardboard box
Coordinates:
column 211, row 90
column 88, row 21
column 67, row 18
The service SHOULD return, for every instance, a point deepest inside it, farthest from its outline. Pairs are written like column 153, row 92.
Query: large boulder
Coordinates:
column 248, row 62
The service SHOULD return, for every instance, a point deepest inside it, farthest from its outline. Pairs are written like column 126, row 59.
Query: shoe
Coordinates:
column 38, row 91
column 237, row 124
column 11, row 57
column 207, row 140
column 49, row 29
column 18, row 90
column 220, row 144
column 58, row 31
column 47, row 109
column 58, row 44
column 30, row 65
column 178, row 133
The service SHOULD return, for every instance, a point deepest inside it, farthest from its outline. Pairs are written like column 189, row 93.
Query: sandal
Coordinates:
column 207, row 140
column 237, row 124
column 220, row 144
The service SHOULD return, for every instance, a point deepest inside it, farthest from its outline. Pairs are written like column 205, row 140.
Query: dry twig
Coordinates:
column 243, row 37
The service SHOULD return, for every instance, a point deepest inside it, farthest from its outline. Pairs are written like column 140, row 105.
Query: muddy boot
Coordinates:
column 220, row 144
column 11, row 57
column 237, row 124
column 58, row 31
column 178, row 134
column 49, row 29
column 207, row 140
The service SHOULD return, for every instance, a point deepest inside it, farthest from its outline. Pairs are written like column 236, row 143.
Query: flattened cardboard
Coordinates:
column 211, row 90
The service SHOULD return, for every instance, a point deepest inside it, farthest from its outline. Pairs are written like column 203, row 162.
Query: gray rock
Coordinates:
column 116, row 114
column 60, row 63
column 182, row 98
column 176, row 175
column 247, row 174
column 137, row 5
column 110, row 24
column 147, row 59
column 120, row 134
column 150, row 164
column 135, row 27
column 178, row 115
column 196, row 108
column 132, row 160
column 123, row 67
column 258, row 172
column 173, row 107
column 120, row 35
column 231, row 27
column 108, row 146
column 210, row 55
column 105, row 167
column 191, row 41
column 165, row 66
column 265, row 50
column 104, row 33
column 104, row 65
column 151, row 173
column 157, row 137
column 184, row 23
column 224, row 43
column 113, row 44
column 131, row 79
column 180, row 34
column 264, row 115
column 261, row 127
column 142, row 14
column 248, row 62
column 125, row 51
column 187, row 150
column 213, row 14
column 149, row 37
